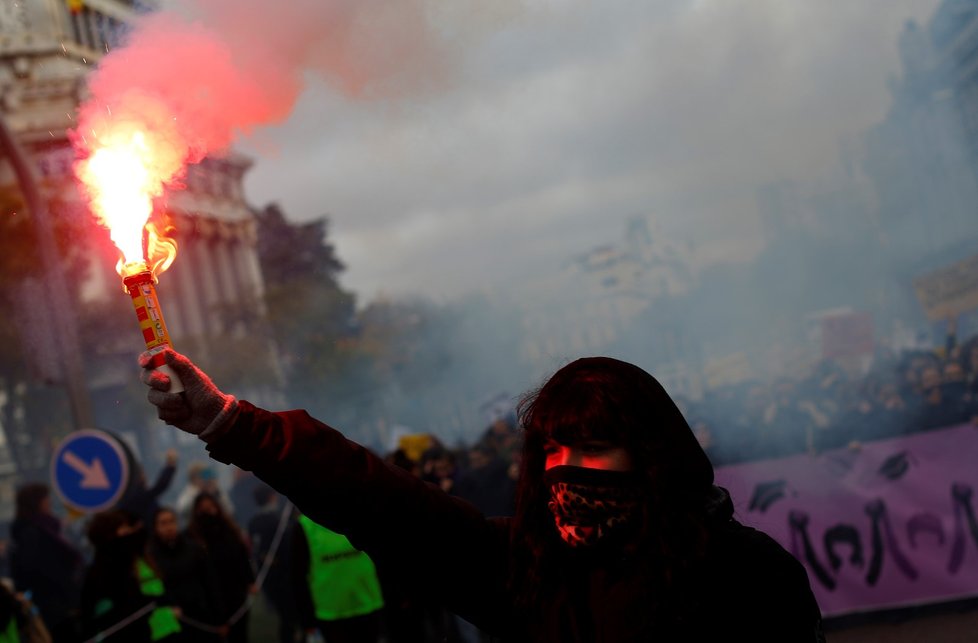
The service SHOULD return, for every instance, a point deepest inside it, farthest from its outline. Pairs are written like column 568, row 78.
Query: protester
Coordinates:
column 226, row 548
column 500, row 438
column 619, row 532
column 439, row 466
column 263, row 529
column 200, row 479
column 409, row 616
column 43, row 563
column 123, row 598
column 486, row 482
column 143, row 501
column 189, row 577
column 335, row 586
column 241, row 496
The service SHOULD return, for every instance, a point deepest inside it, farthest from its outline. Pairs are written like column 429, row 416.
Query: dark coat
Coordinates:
column 110, row 594
column 46, row 565
column 261, row 530
column 232, row 565
column 749, row 587
column 190, row 579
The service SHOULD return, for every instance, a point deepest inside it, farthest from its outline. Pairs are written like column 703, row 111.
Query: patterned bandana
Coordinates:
column 589, row 504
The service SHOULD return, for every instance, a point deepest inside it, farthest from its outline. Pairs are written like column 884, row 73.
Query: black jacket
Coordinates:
column 47, row 565
column 749, row 587
column 190, row 578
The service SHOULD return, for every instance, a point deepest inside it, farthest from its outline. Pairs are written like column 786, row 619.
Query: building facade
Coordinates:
column 212, row 295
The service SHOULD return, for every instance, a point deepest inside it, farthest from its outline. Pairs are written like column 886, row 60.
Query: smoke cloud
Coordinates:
column 198, row 74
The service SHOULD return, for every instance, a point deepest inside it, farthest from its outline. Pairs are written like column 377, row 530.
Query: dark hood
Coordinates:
column 656, row 432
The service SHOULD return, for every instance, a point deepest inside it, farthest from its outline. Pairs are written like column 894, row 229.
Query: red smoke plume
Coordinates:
column 191, row 78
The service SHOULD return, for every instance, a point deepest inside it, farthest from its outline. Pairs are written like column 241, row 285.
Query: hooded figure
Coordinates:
column 622, row 534
column 619, row 533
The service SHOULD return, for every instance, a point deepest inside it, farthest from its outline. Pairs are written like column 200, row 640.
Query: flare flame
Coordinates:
column 126, row 164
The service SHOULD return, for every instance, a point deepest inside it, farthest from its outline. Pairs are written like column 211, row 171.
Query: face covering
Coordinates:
column 589, row 505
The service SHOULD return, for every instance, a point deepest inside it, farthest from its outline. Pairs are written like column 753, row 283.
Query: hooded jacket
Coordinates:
column 747, row 587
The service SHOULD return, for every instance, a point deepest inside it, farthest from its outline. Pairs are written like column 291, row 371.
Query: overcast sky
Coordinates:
column 572, row 116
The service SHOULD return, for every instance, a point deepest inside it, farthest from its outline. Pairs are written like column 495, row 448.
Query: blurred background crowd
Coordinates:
column 901, row 392
column 223, row 550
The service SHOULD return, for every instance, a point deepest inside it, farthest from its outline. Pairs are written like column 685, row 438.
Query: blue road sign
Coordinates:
column 90, row 470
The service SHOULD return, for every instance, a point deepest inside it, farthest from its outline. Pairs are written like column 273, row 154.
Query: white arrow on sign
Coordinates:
column 93, row 475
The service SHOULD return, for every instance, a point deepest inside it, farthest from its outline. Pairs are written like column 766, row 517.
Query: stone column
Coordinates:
column 206, row 277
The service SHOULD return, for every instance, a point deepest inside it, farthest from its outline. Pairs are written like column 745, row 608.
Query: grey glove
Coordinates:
column 201, row 409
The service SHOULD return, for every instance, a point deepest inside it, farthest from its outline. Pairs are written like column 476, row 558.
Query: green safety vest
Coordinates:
column 162, row 621
column 10, row 635
column 342, row 579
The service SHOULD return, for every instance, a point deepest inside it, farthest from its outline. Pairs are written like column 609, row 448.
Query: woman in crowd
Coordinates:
column 123, row 597
column 189, row 575
column 224, row 543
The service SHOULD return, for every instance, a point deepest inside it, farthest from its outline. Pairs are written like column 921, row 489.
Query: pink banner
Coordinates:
column 886, row 525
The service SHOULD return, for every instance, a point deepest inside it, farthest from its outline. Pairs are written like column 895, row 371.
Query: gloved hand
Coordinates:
column 201, row 409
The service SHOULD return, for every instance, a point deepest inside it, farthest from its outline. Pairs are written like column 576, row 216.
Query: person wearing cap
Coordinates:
column 201, row 478
column 619, row 533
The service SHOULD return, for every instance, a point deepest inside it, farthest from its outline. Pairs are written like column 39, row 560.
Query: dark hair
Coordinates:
column 103, row 527
column 229, row 528
column 159, row 512
column 608, row 399
column 29, row 499
column 400, row 459
column 115, row 555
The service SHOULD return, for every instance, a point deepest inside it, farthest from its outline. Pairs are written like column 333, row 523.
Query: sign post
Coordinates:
column 90, row 470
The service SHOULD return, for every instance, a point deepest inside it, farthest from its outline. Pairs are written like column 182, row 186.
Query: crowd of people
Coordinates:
column 831, row 407
column 137, row 572
column 190, row 571
column 618, row 532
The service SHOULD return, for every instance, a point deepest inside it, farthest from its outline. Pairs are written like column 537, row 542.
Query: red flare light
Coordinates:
column 125, row 164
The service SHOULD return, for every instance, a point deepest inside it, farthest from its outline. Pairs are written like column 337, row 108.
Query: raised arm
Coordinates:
column 404, row 524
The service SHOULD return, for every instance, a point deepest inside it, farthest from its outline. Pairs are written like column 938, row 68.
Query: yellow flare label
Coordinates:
column 149, row 314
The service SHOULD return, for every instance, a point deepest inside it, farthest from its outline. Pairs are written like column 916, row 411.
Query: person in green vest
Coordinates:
column 335, row 586
column 122, row 586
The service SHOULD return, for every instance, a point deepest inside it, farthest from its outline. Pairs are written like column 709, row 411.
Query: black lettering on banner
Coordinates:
column 766, row 494
column 926, row 522
column 961, row 499
column 798, row 522
column 876, row 510
column 843, row 533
